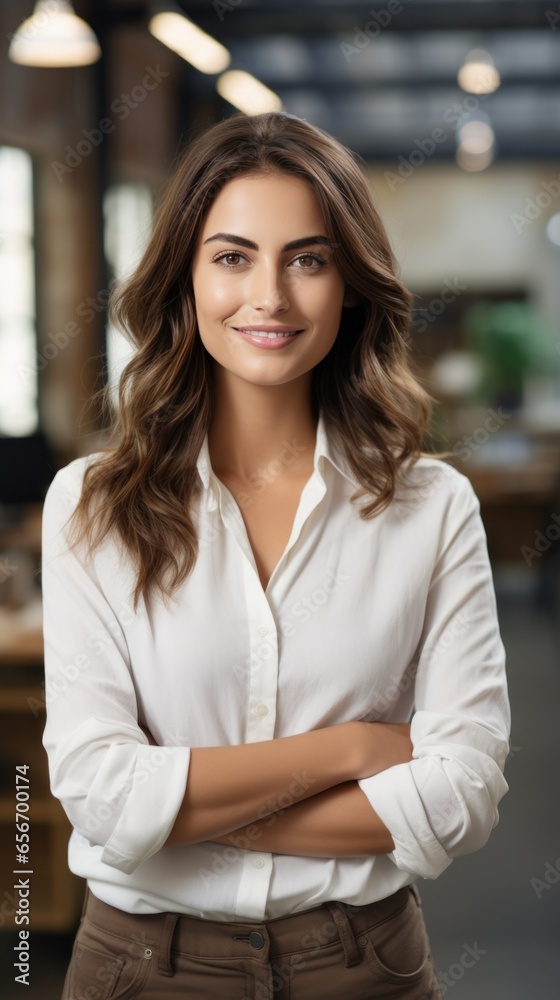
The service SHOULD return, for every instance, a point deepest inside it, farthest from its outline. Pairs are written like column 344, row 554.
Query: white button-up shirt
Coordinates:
column 361, row 619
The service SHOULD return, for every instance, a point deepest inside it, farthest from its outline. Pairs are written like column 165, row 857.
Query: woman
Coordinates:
column 233, row 657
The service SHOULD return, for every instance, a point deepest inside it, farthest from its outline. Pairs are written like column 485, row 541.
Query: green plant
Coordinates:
column 512, row 342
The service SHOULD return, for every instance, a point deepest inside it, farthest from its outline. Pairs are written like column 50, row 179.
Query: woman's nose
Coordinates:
column 268, row 289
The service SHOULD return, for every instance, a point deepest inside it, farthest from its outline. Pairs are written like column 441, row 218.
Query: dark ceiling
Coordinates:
column 381, row 76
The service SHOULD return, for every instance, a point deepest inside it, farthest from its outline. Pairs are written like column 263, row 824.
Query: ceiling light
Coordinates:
column 190, row 42
column 247, row 93
column 478, row 75
column 473, row 161
column 476, row 137
column 54, row 36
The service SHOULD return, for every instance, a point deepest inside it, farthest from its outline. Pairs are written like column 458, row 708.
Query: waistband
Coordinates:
column 200, row 938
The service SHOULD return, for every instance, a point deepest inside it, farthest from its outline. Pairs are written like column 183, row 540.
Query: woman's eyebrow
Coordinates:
column 241, row 241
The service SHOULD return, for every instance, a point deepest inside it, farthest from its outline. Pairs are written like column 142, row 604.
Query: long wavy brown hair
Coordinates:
column 142, row 485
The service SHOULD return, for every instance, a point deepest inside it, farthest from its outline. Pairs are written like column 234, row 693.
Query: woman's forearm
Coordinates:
column 338, row 822
column 229, row 786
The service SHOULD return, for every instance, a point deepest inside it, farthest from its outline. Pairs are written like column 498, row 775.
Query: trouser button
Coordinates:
column 255, row 939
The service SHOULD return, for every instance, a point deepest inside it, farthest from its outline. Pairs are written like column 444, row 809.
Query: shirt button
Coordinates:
column 262, row 709
column 257, row 862
column 262, row 630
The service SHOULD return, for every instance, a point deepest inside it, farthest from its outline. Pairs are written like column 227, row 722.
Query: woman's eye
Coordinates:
column 225, row 258
column 309, row 261
column 305, row 262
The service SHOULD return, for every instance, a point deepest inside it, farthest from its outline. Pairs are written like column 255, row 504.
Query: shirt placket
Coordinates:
column 262, row 681
column 262, row 675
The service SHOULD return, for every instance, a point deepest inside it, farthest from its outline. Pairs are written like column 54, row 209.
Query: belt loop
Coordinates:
column 164, row 957
column 344, row 927
column 414, row 890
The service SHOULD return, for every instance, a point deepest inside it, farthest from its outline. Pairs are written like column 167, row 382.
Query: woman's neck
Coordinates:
column 257, row 426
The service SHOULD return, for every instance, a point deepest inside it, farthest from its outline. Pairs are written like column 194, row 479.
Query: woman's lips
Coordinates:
column 279, row 337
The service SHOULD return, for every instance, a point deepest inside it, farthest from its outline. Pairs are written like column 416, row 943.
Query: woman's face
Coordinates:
column 263, row 264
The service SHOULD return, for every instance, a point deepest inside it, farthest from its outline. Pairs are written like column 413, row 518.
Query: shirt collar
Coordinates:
column 328, row 446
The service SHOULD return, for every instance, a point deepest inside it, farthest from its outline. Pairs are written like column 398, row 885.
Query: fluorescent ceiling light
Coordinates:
column 54, row 36
column 190, row 42
column 247, row 93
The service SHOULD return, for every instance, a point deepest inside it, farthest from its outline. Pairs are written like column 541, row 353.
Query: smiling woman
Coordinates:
column 363, row 384
column 275, row 295
column 247, row 792
column 269, row 294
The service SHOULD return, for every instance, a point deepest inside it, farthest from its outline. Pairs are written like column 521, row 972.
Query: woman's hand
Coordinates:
column 382, row 745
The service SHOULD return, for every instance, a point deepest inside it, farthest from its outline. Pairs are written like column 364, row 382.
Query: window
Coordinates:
column 19, row 414
column 128, row 212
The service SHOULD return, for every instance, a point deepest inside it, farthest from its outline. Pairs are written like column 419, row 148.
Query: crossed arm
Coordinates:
column 336, row 820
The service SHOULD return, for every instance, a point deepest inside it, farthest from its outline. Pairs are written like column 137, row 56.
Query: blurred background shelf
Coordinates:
column 56, row 893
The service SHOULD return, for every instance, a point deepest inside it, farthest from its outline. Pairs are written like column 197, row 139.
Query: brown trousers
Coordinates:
column 331, row 952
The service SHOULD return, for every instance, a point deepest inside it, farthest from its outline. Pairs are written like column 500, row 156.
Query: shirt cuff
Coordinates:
column 393, row 795
column 157, row 789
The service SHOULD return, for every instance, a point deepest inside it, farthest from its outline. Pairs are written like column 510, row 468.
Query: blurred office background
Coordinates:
column 455, row 108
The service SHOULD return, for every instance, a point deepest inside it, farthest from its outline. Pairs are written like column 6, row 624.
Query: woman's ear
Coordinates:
column 351, row 298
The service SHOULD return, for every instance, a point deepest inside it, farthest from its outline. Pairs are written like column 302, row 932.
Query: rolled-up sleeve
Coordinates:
column 444, row 802
column 118, row 791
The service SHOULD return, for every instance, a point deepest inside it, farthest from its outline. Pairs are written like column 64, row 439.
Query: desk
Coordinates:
column 519, row 491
